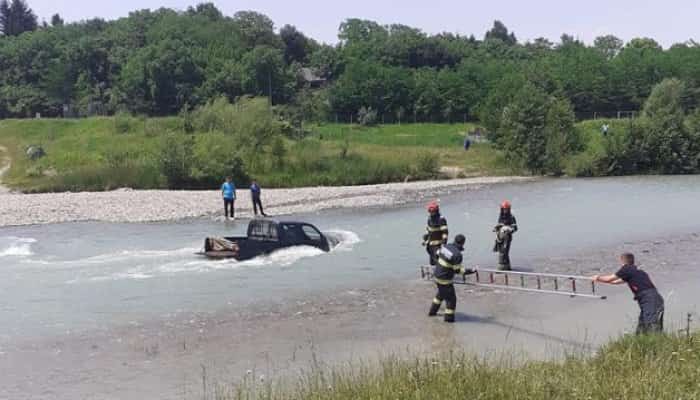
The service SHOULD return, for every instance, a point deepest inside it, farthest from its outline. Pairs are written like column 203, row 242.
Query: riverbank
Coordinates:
column 169, row 356
column 5, row 164
column 127, row 205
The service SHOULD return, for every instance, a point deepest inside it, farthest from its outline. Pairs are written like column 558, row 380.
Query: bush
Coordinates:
column 366, row 116
column 176, row 159
column 428, row 166
column 98, row 178
column 278, row 151
column 122, row 123
column 215, row 156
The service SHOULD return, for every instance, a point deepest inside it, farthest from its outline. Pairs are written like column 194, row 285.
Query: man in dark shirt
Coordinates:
column 651, row 304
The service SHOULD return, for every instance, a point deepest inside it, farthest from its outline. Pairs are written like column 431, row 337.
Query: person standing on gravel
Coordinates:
column 255, row 196
column 651, row 304
column 228, row 192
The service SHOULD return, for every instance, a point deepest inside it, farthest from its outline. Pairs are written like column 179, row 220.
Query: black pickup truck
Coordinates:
column 264, row 237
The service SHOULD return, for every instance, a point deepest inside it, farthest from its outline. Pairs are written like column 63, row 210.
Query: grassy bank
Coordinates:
column 652, row 367
column 122, row 151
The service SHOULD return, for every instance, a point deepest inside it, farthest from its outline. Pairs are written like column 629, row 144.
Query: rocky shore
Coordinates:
column 126, row 205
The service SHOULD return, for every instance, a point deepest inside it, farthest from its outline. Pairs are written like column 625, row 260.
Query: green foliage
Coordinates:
column 16, row 18
column 279, row 151
column 366, row 116
column 428, row 166
column 154, row 62
column 122, row 122
column 537, row 131
column 176, row 158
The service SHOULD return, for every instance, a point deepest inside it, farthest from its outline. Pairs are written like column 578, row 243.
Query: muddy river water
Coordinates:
column 97, row 310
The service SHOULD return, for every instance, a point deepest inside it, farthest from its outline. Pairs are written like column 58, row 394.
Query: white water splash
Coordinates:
column 175, row 262
column 12, row 246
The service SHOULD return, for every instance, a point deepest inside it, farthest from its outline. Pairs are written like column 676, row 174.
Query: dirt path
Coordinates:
column 5, row 163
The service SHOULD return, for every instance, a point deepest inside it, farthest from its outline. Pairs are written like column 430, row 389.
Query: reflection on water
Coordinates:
column 86, row 275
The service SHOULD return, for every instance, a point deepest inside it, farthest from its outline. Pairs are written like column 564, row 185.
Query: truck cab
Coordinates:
column 265, row 236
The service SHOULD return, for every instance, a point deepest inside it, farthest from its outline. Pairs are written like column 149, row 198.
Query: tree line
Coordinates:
column 159, row 62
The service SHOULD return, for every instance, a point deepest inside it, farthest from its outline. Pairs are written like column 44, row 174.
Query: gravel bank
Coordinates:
column 127, row 205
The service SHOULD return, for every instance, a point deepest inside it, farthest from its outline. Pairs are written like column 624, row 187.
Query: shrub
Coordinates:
column 428, row 166
column 278, row 151
column 122, row 123
column 176, row 159
column 366, row 116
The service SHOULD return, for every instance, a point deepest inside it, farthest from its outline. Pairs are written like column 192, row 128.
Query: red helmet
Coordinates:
column 505, row 204
column 433, row 207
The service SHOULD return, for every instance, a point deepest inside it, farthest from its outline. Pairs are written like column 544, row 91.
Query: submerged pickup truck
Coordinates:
column 265, row 236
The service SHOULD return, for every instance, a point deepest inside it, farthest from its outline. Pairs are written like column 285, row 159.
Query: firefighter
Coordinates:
column 436, row 232
column 505, row 229
column 449, row 263
column 651, row 304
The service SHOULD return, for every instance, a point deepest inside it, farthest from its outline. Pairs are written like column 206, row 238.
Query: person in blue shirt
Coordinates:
column 255, row 196
column 228, row 192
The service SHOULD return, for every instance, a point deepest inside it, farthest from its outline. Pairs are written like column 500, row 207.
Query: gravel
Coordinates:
column 126, row 205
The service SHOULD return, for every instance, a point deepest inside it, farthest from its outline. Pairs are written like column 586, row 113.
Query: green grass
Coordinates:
column 83, row 154
column 431, row 135
column 635, row 368
column 411, row 141
column 108, row 152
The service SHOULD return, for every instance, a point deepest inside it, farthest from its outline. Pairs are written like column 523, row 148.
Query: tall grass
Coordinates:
column 645, row 367
column 108, row 152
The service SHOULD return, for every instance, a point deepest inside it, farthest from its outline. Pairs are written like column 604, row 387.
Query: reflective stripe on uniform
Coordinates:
column 445, row 264
column 443, row 227
column 443, row 281
column 449, row 311
column 436, row 301
column 435, row 242
column 435, row 229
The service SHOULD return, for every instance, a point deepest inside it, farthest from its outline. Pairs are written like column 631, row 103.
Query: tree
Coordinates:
column 56, row 20
column 264, row 74
column 296, row 46
column 207, row 10
column 500, row 32
column 523, row 129
column 668, row 144
column 5, row 17
column 255, row 29
column 561, row 134
column 16, row 18
column 608, row 45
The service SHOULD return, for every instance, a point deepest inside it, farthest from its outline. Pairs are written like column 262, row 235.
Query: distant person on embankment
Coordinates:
column 255, row 192
column 651, row 304
column 228, row 192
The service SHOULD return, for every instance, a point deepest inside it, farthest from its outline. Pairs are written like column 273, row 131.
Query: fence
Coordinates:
column 629, row 114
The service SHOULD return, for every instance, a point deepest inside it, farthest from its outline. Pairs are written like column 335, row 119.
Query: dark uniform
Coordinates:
column 651, row 304
column 436, row 236
column 506, row 218
column 449, row 263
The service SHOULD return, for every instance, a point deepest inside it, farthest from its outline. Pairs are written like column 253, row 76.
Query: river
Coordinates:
column 77, row 278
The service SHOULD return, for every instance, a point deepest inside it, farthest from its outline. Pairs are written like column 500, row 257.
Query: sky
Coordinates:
column 668, row 22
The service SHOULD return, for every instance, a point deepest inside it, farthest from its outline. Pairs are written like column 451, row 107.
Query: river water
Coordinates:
column 74, row 277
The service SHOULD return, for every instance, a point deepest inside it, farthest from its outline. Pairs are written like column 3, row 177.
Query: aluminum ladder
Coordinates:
column 567, row 285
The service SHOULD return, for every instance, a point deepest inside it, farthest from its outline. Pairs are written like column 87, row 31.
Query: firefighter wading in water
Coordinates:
column 436, row 234
column 449, row 263
column 505, row 229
